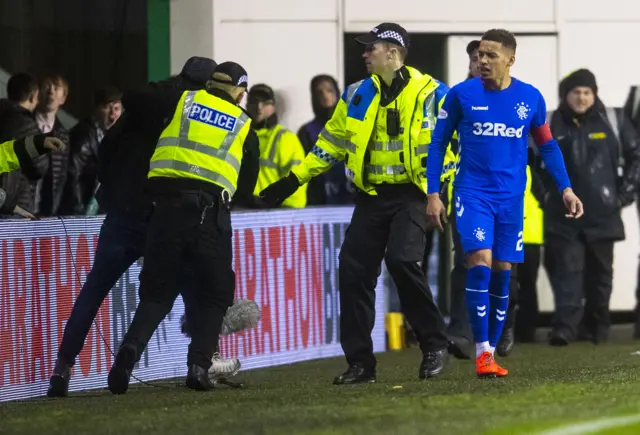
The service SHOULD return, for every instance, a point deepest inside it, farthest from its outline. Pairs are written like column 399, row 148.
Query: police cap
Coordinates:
column 388, row 32
column 238, row 75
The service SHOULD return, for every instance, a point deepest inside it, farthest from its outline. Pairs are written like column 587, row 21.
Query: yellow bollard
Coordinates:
column 395, row 330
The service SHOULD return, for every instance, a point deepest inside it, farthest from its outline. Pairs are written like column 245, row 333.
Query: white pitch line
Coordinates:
column 593, row 426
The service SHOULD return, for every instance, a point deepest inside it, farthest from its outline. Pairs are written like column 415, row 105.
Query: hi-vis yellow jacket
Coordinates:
column 533, row 233
column 204, row 141
column 357, row 134
column 280, row 151
column 8, row 158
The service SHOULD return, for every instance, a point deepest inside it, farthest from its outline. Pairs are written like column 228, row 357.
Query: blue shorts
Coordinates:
column 495, row 225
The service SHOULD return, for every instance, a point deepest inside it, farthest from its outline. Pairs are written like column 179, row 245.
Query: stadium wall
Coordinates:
column 284, row 260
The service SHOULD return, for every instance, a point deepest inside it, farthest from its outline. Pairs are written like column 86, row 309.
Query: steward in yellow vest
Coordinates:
column 205, row 155
column 381, row 128
column 280, row 149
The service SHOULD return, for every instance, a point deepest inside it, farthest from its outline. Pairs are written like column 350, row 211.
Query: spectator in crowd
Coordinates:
column 632, row 111
column 82, row 180
column 602, row 157
column 280, row 149
column 332, row 187
column 17, row 121
column 47, row 191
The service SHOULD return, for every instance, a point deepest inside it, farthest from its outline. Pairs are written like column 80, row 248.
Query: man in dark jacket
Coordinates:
column 17, row 121
column 333, row 187
column 47, row 192
column 602, row 156
column 82, row 181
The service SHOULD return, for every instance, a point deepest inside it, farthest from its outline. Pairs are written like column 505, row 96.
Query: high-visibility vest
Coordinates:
column 357, row 134
column 204, row 141
column 280, row 151
column 8, row 158
column 533, row 232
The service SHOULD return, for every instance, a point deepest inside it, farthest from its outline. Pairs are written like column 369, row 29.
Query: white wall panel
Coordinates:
column 268, row 58
column 282, row 10
column 599, row 11
column 191, row 31
column 452, row 15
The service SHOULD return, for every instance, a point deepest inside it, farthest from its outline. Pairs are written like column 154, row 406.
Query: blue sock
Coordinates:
column 498, row 304
column 477, row 300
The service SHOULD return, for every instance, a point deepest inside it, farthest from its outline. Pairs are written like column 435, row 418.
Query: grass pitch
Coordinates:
column 546, row 389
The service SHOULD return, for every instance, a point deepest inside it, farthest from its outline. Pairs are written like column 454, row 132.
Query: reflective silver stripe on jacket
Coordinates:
column 183, row 141
column 351, row 90
column 385, row 170
column 430, row 102
column 197, row 170
column 392, row 145
column 270, row 162
column 422, row 149
column 338, row 143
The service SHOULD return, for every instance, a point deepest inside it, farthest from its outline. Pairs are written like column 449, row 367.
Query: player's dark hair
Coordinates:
column 502, row 36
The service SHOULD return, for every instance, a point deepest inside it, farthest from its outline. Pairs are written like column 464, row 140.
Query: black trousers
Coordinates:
column 580, row 270
column 527, row 275
column 391, row 225
column 459, row 325
column 193, row 228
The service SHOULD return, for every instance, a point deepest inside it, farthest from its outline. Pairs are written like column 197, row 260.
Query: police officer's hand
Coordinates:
column 276, row 193
column 573, row 204
column 24, row 213
column 436, row 212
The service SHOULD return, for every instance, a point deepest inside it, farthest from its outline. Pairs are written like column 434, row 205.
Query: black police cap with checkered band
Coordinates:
column 388, row 32
column 236, row 72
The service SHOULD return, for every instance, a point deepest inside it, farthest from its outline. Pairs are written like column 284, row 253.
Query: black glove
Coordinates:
column 276, row 193
column 625, row 199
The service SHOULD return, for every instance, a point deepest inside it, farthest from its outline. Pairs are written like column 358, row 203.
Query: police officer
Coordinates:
column 381, row 128
column 205, row 154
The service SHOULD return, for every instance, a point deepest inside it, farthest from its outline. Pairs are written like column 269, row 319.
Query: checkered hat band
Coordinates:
column 243, row 79
column 391, row 34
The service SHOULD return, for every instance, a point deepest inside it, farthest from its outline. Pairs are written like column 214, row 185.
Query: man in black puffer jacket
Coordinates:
column 602, row 156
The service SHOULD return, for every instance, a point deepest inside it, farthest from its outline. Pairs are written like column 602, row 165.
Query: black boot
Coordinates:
column 59, row 381
column 432, row 364
column 120, row 373
column 459, row 347
column 198, row 379
column 355, row 375
column 506, row 342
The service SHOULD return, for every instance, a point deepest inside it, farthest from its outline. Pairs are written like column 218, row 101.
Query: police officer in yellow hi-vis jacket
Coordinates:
column 205, row 155
column 381, row 128
column 280, row 149
column 19, row 154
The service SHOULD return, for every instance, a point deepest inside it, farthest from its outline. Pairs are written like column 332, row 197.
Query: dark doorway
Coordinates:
column 427, row 54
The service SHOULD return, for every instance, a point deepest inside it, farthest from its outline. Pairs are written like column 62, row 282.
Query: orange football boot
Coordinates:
column 487, row 367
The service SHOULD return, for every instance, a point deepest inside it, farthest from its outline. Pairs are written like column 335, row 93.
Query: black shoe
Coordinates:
column 506, row 342
column 355, row 375
column 558, row 338
column 432, row 364
column 59, row 381
column 459, row 347
column 120, row 373
column 198, row 379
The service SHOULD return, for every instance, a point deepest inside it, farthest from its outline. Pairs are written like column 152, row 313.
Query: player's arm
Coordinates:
column 553, row 160
column 549, row 148
column 330, row 147
column 448, row 118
